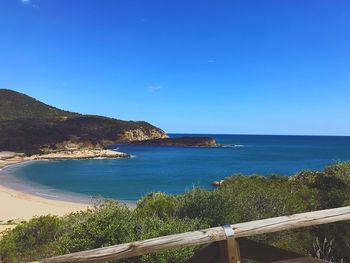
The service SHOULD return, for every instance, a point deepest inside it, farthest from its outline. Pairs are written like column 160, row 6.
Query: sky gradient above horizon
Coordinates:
column 234, row 67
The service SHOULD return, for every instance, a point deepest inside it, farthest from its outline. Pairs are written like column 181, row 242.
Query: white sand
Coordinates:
column 15, row 205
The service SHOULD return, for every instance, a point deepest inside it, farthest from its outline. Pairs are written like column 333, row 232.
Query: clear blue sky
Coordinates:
column 247, row 67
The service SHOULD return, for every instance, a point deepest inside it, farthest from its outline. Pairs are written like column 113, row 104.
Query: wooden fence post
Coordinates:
column 229, row 248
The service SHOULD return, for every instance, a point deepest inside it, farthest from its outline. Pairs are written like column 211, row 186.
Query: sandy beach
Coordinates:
column 17, row 206
column 10, row 158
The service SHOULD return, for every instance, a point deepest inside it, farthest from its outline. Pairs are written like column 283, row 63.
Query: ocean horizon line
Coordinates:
column 252, row 134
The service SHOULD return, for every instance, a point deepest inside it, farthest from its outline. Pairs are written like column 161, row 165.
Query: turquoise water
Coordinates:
column 177, row 169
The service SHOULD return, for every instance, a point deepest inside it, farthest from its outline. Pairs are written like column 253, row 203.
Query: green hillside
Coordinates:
column 28, row 125
column 15, row 105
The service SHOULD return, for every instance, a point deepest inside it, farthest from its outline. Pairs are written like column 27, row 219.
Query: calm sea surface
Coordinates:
column 177, row 169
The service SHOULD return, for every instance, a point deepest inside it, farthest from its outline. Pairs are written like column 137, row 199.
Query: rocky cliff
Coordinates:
column 28, row 125
column 142, row 135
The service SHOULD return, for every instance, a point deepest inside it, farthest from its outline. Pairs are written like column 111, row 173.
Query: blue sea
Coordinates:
column 177, row 169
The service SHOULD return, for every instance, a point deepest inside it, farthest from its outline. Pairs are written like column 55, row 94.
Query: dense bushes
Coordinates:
column 108, row 224
column 31, row 239
column 240, row 198
column 243, row 198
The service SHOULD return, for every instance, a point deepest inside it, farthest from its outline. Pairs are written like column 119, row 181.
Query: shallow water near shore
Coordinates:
column 176, row 169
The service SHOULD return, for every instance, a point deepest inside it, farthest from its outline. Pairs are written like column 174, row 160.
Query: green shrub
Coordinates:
column 158, row 204
column 113, row 223
column 33, row 239
column 151, row 227
column 246, row 198
column 108, row 224
column 333, row 190
column 339, row 169
column 203, row 205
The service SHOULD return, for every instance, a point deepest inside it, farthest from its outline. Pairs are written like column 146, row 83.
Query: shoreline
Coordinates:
column 11, row 158
column 17, row 204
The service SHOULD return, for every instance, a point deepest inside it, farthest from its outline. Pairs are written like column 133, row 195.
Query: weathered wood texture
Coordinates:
column 205, row 236
column 229, row 251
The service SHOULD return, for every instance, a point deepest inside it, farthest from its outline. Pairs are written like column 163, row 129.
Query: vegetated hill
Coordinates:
column 28, row 125
column 15, row 105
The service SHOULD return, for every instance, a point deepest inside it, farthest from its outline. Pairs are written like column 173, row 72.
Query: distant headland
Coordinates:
column 33, row 127
column 179, row 141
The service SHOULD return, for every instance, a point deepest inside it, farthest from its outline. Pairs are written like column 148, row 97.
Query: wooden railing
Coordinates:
column 227, row 243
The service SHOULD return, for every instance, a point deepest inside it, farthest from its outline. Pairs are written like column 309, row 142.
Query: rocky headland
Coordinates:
column 32, row 127
column 179, row 141
column 37, row 129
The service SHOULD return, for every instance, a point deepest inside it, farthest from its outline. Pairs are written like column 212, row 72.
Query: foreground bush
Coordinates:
column 240, row 198
column 34, row 239
column 108, row 224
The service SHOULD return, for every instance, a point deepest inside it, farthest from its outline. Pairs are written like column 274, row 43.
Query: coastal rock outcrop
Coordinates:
column 180, row 141
column 142, row 134
column 80, row 154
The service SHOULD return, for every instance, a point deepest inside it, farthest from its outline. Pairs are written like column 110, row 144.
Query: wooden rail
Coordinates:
column 205, row 236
